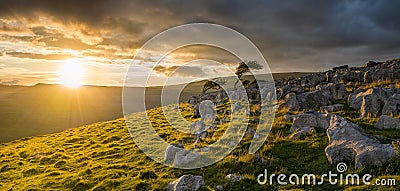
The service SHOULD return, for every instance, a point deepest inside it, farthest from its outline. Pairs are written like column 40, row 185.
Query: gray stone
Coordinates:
column 304, row 120
column 348, row 142
column 373, row 102
column 310, row 119
column 186, row 183
column 300, row 132
column 184, row 157
column 314, row 99
column 219, row 187
column 386, row 122
column 234, row 178
column 288, row 117
column 171, row 151
column 332, row 108
column 392, row 105
column 355, row 99
column 291, row 102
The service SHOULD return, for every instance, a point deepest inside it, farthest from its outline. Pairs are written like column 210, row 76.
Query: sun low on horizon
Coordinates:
column 72, row 73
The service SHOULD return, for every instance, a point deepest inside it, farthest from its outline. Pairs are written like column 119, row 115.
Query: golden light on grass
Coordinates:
column 72, row 73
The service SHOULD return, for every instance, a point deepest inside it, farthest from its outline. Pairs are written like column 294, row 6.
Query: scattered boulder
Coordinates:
column 338, row 91
column 392, row 105
column 310, row 119
column 301, row 131
column 288, row 117
column 387, row 122
column 171, row 151
column 291, row 102
column 186, row 183
column 314, row 99
column 355, row 99
column 234, row 178
column 373, row 101
column 183, row 157
column 219, row 187
column 332, row 108
column 348, row 142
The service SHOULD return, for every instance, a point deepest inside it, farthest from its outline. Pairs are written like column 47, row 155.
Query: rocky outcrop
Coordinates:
column 326, row 88
column 392, row 105
column 322, row 96
column 186, row 183
column 387, row 122
column 349, row 143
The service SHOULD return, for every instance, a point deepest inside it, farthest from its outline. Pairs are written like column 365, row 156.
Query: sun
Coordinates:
column 72, row 73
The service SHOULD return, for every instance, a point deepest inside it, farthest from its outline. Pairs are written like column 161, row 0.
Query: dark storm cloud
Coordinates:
column 301, row 34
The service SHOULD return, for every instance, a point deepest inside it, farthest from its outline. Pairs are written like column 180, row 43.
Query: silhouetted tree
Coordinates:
column 244, row 68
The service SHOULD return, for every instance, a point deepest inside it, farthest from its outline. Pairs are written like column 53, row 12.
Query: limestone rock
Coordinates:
column 348, row 142
column 387, row 122
column 392, row 105
column 234, row 178
column 186, row 183
column 171, row 151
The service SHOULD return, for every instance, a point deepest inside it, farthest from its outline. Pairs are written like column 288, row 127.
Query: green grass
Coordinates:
column 103, row 156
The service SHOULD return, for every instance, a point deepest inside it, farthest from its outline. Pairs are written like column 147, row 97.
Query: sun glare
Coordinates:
column 72, row 73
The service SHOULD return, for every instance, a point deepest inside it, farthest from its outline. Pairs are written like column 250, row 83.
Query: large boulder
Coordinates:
column 310, row 119
column 291, row 102
column 301, row 131
column 349, row 143
column 186, row 183
column 338, row 91
column 373, row 101
column 355, row 99
column 171, row 151
column 387, row 122
column 392, row 105
column 314, row 99
column 184, row 157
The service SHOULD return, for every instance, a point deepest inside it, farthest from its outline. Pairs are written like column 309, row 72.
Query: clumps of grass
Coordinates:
column 103, row 156
column 148, row 174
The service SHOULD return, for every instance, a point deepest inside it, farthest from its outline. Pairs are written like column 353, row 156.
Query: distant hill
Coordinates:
column 43, row 109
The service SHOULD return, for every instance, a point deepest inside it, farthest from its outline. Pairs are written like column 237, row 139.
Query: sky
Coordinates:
column 47, row 41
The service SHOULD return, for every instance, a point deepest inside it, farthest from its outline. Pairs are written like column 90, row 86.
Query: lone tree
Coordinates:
column 244, row 68
column 213, row 84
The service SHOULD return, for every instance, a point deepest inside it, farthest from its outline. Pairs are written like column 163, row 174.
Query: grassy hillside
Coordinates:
column 103, row 156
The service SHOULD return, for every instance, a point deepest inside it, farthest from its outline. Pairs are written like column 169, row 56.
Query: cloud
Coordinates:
column 292, row 35
column 9, row 82
column 38, row 56
column 183, row 71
